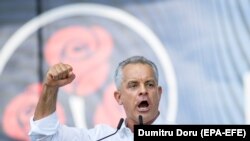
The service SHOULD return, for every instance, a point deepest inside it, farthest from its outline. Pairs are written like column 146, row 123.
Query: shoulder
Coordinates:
column 103, row 127
column 101, row 130
column 98, row 131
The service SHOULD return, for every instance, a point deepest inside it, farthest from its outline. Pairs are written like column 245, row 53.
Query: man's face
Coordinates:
column 139, row 92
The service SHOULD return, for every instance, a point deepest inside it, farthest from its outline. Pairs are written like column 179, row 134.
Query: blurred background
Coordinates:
column 202, row 49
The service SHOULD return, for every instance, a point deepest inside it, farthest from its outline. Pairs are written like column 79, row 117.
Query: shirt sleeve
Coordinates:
column 44, row 127
column 50, row 129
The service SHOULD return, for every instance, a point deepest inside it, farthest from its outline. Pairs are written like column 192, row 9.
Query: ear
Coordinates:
column 160, row 90
column 117, row 96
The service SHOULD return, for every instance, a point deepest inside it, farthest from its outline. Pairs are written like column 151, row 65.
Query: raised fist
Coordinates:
column 59, row 75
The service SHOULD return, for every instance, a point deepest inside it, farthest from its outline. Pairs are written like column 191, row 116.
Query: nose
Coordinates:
column 143, row 90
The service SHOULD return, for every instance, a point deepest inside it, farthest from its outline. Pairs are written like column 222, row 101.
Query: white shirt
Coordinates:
column 49, row 129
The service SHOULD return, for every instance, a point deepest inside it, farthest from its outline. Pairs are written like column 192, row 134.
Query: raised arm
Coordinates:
column 56, row 77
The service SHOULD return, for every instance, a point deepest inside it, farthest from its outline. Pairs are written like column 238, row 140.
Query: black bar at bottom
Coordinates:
column 194, row 132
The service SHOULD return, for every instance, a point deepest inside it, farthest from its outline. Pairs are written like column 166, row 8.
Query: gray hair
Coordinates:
column 133, row 60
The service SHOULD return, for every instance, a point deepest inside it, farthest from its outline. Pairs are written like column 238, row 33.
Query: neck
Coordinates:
column 130, row 123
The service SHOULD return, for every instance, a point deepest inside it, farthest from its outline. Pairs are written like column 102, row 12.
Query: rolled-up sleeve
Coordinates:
column 50, row 129
column 43, row 128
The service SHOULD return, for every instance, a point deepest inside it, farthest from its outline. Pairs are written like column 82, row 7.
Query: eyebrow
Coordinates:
column 135, row 81
column 132, row 81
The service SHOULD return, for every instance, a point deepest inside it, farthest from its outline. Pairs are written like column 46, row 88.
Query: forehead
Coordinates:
column 138, row 71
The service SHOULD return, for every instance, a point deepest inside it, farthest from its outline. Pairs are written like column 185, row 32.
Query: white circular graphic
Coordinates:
column 108, row 12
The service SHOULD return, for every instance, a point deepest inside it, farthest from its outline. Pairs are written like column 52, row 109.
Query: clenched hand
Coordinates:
column 59, row 75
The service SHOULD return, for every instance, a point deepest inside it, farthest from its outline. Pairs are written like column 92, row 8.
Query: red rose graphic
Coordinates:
column 87, row 50
column 19, row 111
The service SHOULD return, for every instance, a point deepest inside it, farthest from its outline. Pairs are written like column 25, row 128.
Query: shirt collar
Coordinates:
column 125, row 130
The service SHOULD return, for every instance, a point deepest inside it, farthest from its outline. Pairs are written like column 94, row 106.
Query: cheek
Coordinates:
column 128, row 101
column 128, row 98
column 125, row 101
column 156, row 97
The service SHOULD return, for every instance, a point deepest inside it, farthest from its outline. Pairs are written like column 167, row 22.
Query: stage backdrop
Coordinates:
column 201, row 48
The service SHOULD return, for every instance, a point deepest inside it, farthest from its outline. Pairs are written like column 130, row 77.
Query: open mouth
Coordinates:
column 143, row 106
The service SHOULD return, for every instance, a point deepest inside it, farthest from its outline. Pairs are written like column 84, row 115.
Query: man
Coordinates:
column 136, row 80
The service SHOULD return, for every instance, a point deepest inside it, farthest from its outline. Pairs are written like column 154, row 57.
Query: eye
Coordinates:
column 132, row 85
column 150, row 84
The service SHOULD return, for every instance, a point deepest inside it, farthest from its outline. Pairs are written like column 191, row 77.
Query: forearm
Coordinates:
column 47, row 102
